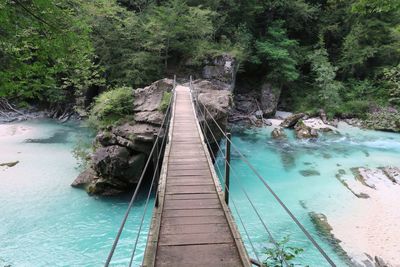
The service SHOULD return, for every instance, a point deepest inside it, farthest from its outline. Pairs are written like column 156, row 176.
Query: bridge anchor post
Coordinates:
column 227, row 166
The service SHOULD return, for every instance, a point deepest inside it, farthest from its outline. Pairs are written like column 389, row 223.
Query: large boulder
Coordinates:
column 304, row 132
column 121, row 151
column 269, row 99
column 221, row 70
column 291, row 120
column 217, row 101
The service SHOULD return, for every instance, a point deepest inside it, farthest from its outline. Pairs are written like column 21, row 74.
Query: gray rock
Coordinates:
column 278, row 133
column 269, row 99
column 149, row 98
column 259, row 114
column 291, row 120
column 85, row 178
column 304, row 132
column 110, row 161
column 221, row 70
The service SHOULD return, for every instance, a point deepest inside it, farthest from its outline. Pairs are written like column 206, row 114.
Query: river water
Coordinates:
column 45, row 222
column 303, row 175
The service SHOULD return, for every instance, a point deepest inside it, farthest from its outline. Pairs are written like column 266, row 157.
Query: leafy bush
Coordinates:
column 277, row 256
column 111, row 107
column 165, row 101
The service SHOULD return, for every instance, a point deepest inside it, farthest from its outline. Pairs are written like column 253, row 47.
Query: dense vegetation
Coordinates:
column 342, row 56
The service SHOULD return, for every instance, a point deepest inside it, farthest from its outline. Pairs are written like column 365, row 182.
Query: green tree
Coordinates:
column 278, row 52
column 46, row 54
column 324, row 80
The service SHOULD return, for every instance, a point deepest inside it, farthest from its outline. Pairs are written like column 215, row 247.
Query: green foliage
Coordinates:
column 45, row 51
column 278, row 51
column 281, row 254
column 324, row 80
column 392, row 79
column 111, row 107
column 166, row 99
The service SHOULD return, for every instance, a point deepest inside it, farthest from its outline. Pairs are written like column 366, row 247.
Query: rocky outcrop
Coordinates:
column 269, row 99
column 121, row 151
column 221, row 70
column 217, row 101
column 291, row 120
column 304, row 132
column 384, row 120
column 278, row 133
column 393, row 173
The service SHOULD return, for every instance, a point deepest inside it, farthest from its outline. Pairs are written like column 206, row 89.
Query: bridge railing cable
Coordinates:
column 219, row 149
column 203, row 114
column 161, row 134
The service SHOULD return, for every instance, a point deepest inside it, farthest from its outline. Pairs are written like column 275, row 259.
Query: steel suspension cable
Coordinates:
column 303, row 229
column 116, row 240
column 271, row 238
column 234, row 204
column 148, row 196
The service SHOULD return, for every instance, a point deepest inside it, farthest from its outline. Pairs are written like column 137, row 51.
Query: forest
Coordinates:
column 342, row 56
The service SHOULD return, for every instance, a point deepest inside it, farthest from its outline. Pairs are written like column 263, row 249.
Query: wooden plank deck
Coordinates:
column 192, row 226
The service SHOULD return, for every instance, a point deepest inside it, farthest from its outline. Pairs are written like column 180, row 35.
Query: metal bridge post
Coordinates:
column 227, row 166
column 155, row 160
column 205, row 121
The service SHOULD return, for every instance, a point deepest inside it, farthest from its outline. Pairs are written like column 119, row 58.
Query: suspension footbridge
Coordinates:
column 192, row 224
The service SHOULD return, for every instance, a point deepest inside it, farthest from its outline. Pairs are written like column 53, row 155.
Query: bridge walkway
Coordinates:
column 192, row 225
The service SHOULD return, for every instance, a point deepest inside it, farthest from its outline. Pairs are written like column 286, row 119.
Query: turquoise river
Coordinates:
column 46, row 222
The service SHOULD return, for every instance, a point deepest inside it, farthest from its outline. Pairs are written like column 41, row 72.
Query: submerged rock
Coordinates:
column 310, row 172
column 350, row 185
column 371, row 178
column 393, row 173
column 278, row 133
column 9, row 164
column 322, row 225
column 291, row 120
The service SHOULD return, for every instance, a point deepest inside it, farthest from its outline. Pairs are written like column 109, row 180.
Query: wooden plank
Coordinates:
column 201, row 172
column 193, row 220
column 222, row 237
column 216, row 255
column 194, row 229
column 191, row 196
column 192, row 204
column 189, row 181
column 193, row 212
column 190, row 189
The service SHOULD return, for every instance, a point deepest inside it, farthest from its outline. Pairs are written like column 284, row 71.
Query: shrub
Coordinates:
column 111, row 107
column 165, row 101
